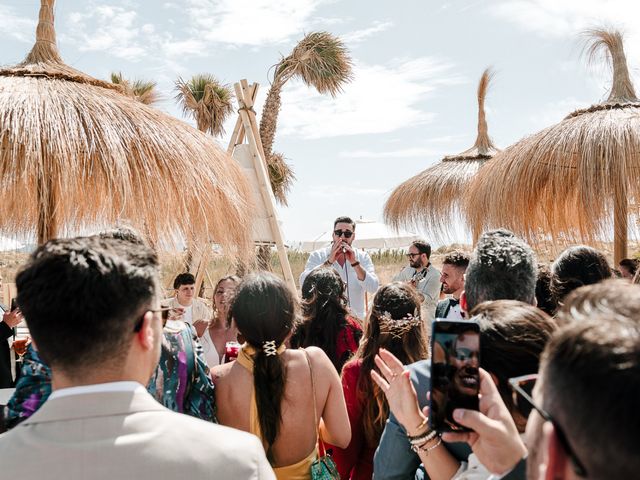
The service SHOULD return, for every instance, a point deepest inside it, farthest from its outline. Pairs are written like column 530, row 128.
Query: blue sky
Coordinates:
column 412, row 101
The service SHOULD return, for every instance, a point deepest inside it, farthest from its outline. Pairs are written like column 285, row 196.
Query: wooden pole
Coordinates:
column 244, row 94
column 620, row 227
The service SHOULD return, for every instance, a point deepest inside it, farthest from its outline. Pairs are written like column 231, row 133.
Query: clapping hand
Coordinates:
column 397, row 387
column 12, row 318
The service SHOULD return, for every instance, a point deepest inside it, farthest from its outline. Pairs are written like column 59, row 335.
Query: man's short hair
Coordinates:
column 457, row 259
column 423, row 247
column 82, row 297
column 502, row 267
column 590, row 372
column 184, row 279
column 344, row 220
column 630, row 264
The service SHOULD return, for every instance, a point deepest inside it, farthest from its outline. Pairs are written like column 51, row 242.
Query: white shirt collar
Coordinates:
column 125, row 386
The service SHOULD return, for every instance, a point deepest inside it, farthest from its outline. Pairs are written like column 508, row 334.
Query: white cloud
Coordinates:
column 381, row 99
column 361, row 35
column 250, row 22
column 568, row 18
column 15, row 26
column 112, row 29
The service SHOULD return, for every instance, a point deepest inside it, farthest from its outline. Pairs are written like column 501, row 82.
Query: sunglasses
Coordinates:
column 343, row 233
column 523, row 400
column 411, row 255
column 165, row 316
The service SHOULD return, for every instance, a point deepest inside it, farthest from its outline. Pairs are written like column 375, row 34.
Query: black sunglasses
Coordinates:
column 343, row 233
column 523, row 388
column 165, row 316
column 411, row 255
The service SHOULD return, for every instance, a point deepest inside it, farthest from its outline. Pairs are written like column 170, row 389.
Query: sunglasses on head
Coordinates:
column 343, row 233
column 523, row 401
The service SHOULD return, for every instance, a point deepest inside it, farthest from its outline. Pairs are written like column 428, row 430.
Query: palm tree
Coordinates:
column 142, row 90
column 320, row 60
column 207, row 100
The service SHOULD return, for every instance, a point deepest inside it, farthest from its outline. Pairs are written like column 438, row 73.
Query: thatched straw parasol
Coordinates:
column 572, row 179
column 430, row 200
column 75, row 151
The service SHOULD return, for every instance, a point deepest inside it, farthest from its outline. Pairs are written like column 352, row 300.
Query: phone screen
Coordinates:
column 455, row 375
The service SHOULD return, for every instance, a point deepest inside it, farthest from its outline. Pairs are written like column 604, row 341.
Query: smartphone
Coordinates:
column 14, row 304
column 455, row 374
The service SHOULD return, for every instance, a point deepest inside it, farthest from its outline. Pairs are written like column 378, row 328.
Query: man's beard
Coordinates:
column 416, row 263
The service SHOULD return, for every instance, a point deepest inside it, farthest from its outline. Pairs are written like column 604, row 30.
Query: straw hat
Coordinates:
column 430, row 200
column 574, row 179
column 75, row 151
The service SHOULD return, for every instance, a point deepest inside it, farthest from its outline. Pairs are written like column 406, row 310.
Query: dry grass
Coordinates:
column 143, row 91
column 74, row 151
column 430, row 201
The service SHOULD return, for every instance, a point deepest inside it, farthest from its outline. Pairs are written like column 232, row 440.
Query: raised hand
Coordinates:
column 495, row 439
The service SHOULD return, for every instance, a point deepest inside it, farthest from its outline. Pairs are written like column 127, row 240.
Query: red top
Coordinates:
column 356, row 461
column 347, row 341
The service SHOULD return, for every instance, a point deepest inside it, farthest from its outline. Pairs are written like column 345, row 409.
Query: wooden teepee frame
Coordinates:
column 246, row 132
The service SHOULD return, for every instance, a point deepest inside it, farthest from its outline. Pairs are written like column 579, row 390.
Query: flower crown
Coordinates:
column 398, row 327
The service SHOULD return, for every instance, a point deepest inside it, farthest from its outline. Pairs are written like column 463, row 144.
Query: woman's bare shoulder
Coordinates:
column 219, row 372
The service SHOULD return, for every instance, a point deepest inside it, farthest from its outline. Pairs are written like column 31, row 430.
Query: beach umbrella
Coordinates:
column 574, row 180
column 430, row 201
column 76, row 152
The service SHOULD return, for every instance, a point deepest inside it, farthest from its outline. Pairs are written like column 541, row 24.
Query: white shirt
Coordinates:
column 210, row 352
column 355, row 288
column 123, row 386
column 188, row 315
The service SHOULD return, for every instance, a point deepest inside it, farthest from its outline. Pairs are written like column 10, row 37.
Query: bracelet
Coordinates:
column 355, row 264
column 422, row 439
column 422, row 423
column 418, row 448
column 327, row 263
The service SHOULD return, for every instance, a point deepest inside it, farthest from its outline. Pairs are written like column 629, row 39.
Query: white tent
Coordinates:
column 369, row 235
column 10, row 244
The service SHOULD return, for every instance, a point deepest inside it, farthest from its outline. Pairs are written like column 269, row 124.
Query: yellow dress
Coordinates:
column 298, row 471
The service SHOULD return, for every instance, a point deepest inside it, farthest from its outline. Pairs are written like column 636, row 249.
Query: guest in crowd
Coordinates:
column 628, row 267
column 326, row 322
column 584, row 417
column 512, row 338
column 454, row 267
column 354, row 266
column 196, row 311
column 10, row 320
column 279, row 394
column 545, row 300
column 181, row 381
column 92, row 307
column 502, row 266
column 220, row 330
column 423, row 276
column 394, row 324
column 575, row 267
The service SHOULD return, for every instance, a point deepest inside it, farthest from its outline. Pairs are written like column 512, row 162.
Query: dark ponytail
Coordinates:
column 324, row 312
column 264, row 310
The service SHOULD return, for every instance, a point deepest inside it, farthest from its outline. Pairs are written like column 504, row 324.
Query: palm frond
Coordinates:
column 281, row 176
column 207, row 100
column 320, row 60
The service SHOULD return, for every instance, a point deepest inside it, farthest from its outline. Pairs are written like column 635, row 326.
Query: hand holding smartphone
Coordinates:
column 455, row 374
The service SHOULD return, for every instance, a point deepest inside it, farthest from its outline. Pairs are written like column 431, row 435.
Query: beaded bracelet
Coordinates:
column 418, row 448
column 422, row 439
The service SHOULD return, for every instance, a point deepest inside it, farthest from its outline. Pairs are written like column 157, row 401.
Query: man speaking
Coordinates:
column 354, row 266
